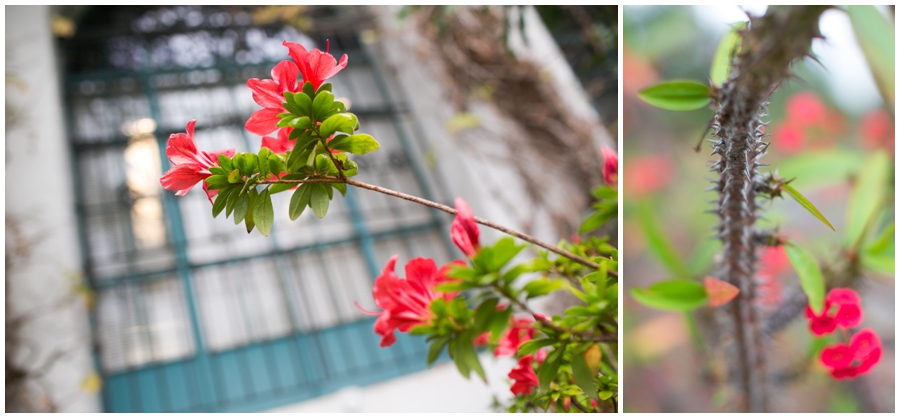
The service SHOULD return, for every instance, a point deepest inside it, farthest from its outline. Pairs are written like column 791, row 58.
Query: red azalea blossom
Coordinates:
column 463, row 231
column 610, row 166
column 859, row 357
column 518, row 333
column 525, row 380
column 406, row 302
column 316, row 66
column 270, row 95
column 190, row 165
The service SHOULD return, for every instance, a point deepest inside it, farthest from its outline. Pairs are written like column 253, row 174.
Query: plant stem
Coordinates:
column 445, row 208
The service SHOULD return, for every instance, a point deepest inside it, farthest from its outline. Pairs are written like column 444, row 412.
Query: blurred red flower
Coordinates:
column 610, row 166
column 190, row 165
column 805, row 108
column 518, row 333
column 876, row 129
column 464, row 231
column 858, row 358
column 525, row 380
column 648, row 174
column 846, row 313
column 406, row 303
column 774, row 262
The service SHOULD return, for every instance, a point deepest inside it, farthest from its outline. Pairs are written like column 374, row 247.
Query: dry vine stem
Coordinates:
column 769, row 45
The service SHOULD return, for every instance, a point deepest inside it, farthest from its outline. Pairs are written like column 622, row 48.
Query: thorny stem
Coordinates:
column 444, row 208
column 769, row 46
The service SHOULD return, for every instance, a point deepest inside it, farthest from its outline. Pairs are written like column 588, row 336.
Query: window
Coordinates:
column 192, row 313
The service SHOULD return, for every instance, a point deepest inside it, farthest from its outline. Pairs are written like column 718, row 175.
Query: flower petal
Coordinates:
column 263, row 121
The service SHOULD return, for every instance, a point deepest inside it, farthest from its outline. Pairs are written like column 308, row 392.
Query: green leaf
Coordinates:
column 531, row 346
column 721, row 63
column 883, row 242
column 276, row 166
column 235, row 176
column 299, row 201
column 549, row 367
column 221, row 199
column 341, row 122
column 225, row 162
column 341, row 187
column 810, row 276
column 878, row 263
column 672, row 295
column 820, row 167
column 483, row 315
column 467, row 351
column 677, row 95
column 321, row 105
column 604, row 395
column 875, row 34
column 263, row 158
column 658, row 243
column 263, row 213
column 867, row 196
column 231, row 202
column 318, row 199
column 355, row 144
column 324, row 164
column 434, row 351
column 541, row 287
column 803, row 201
column 248, row 220
column 503, row 251
column 241, row 206
column 499, row 322
column 583, row 376
column 303, row 148
column 246, row 163
column 217, row 180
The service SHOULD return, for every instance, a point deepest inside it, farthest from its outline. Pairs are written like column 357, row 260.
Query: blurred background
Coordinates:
column 824, row 123
column 121, row 297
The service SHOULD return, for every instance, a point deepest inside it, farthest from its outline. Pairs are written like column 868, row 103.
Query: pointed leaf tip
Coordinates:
column 720, row 292
column 803, row 201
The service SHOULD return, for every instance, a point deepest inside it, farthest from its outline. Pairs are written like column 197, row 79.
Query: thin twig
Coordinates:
column 445, row 208
column 593, row 336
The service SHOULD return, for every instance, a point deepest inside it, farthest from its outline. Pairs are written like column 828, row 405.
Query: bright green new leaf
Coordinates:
column 883, row 242
column 878, row 263
column 810, row 276
column 672, row 295
column 803, row 201
column 321, row 105
column 868, row 195
column 875, row 34
column 341, row 122
column 225, row 162
column 531, row 346
column 820, row 167
column 541, row 287
column 504, row 251
column 484, row 314
column 355, row 144
column 677, row 95
column 263, row 213
column 721, row 63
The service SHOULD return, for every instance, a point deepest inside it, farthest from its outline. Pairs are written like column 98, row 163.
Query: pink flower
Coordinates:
column 406, row 303
column 518, row 333
column 316, row 66
column 542, row 317
column 610, row 166
column 858, row 358
column 805, row 108
column 525, row 380
column 821, row 324
column 847, row 314
column 270, row 95
column 645, row 175
column 279, row 145
column 190, row 165
column 774, row 262
column 463, row 231
column 789, row 137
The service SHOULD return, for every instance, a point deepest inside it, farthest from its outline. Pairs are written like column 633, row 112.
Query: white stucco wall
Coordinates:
column 40, row 218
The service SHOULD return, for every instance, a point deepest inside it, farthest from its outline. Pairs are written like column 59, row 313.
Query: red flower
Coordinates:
column 821, row 324
column 406, row 303
column 858, row 358
column 774, row 262
column 270, row 95
column 518, row 333
column 610, row 166
column 279, row 145
column 789, row 137
column 648, row 174
column 190, row 165
column 805, row 108
column 542, row 317
column 525, row 378
column 847, row 314
column 316, row 66
column 463, row 231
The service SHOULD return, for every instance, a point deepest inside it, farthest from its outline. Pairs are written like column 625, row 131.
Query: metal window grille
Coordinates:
column 192, row 313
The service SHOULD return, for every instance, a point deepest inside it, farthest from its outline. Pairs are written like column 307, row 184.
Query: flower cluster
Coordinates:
column 842, row 309
column 191, row 165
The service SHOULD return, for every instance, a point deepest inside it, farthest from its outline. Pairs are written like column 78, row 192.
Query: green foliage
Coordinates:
column 677, row 95
column 658, row 243
column 803, row 201
column 875, row 34
column 810, row 275
column 721, row 63
column 672, row 295
column 869, row 193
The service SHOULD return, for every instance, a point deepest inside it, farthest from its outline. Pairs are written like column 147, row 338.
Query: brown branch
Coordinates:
column 445, row 208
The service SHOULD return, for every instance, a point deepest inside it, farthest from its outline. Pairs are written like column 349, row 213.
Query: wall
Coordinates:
column 43, row 265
